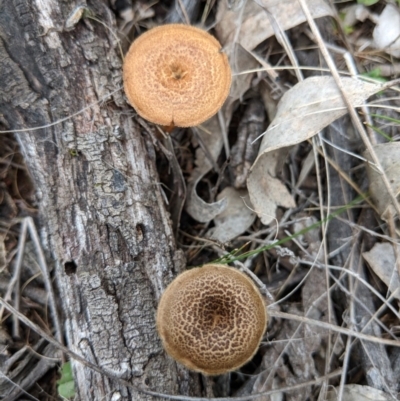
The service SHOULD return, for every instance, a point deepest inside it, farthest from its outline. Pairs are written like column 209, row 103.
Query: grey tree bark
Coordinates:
column 104, row 219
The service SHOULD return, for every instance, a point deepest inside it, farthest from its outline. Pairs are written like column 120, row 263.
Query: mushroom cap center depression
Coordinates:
column 176, row 75
column 212, row 320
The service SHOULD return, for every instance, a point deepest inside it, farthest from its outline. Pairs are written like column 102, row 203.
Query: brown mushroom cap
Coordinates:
column 176, row 75
column 211, row 319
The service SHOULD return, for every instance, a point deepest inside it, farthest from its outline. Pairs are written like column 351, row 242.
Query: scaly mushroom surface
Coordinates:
column 211, row 319
column 176, row 75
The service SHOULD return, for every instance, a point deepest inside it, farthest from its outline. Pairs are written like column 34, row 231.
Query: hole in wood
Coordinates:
column 70, row 267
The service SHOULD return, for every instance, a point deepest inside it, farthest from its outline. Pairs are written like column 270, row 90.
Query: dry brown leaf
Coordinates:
column 266, row 191
column 309, row 107
column 387, row 30
column 254, row 27
column 236, row 218
column 382, row 260
column 389, row 156
column 353, row 14
column 3, row 253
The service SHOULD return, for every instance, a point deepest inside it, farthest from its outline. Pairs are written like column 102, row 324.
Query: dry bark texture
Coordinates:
column 104, row 219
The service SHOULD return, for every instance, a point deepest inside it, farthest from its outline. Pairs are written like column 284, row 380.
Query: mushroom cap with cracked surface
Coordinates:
column 176, row 75
column 211, row 319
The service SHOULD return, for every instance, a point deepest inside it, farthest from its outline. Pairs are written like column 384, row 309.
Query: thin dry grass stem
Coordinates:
column 384, row 106
column 284, row 68
column 353, row 285
column 285, row 341
column 370, row 232
column 297, row 287
column 393, row 236
column 345, row 367
column 342, row 247
column 351, row 65
column 255, row 278
column 30, row 349
column 373, row 102
column 14, row 358
column 208, row 241
column 287, row 282
column 15, row 281
column 271, row 72
column 224, row 132
column 249, row 262
column 207, row 8
column 102, row 99
column 323, row 245
column 111, row 31
column 184, row 12
column 348, row 152
column 349, row 106
column 386, row 85
column 301, row 247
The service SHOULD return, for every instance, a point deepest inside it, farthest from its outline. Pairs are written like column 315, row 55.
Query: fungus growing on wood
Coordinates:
column 211, row 319
column 176, row 75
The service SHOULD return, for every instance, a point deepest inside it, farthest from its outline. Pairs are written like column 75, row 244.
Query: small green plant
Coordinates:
column 66, row 385
column 347, row 29
column 375, row 74
column 387, row 118
column 367, row 2
column 380, row 132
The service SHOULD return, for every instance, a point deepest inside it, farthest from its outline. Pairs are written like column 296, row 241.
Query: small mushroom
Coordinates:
column 176, row 75
column 211, row 319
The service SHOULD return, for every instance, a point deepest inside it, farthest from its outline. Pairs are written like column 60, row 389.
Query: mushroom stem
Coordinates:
column 168, row 128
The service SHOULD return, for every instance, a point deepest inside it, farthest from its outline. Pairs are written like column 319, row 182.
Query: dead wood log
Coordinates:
column 104, row 220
